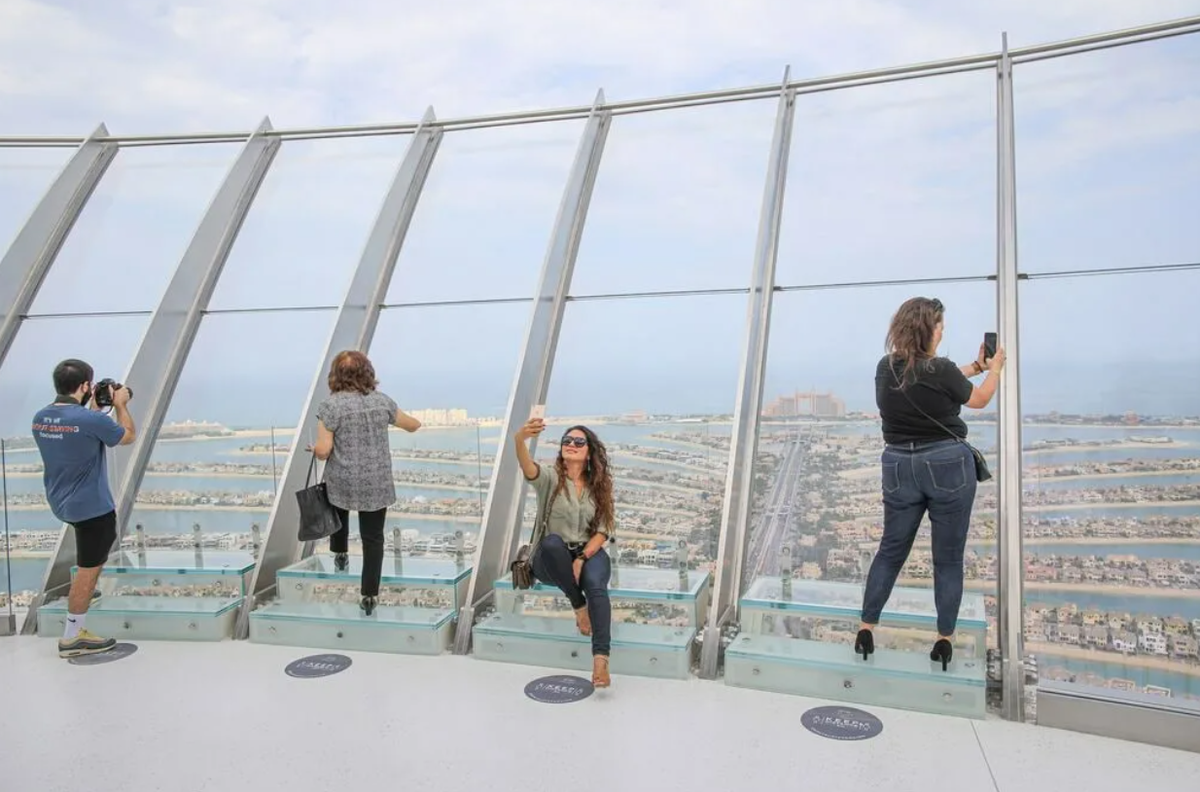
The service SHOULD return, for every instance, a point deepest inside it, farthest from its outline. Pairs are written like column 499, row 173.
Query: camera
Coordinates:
column 103, row 392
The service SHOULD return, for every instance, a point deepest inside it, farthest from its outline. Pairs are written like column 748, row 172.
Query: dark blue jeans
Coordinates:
column 938, row 478
column 552, row 565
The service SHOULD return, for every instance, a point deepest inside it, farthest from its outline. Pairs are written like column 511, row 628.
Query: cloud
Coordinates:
column 891, row 181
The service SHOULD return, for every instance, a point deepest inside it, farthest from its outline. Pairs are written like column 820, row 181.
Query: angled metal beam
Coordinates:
column 168, row 339
column 743, row 446
column 353, row 329
column 1009, row 556
column 501, row 527
column 31, row 254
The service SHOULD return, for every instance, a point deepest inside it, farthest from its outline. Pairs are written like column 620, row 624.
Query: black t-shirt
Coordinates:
column 940, row 389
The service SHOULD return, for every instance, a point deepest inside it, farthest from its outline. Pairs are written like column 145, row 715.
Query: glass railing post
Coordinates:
column 1010, row 561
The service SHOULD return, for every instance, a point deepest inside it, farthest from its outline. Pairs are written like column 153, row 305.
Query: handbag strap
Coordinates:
column 312, row 464
column 917, row 407
column 542, row 525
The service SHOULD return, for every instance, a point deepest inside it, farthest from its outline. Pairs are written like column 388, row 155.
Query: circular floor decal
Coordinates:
column 842, row 723
column 559, row 689
column 321, row 665
column 118, row 652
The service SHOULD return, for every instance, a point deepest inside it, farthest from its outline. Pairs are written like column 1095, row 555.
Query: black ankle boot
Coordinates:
column 864, row 644
column 942, row 650
column 341, row 561
column 368, row 605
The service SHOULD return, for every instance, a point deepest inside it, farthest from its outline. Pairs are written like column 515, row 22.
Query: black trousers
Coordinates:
column 370, row 528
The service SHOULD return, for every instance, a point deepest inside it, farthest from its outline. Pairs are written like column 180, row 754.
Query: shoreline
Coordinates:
column 988, row 587
column 1049, row 650
column 1027, row 476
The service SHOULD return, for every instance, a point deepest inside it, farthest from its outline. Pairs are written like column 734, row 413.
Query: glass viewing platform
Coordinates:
column 656, row 615
column 179, row 595
column 317, row 605
column 798, row 637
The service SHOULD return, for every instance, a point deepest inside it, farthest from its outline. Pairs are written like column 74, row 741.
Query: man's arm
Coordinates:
column 125, row 421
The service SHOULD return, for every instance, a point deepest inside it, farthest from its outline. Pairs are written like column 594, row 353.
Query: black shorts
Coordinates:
column 94, row 540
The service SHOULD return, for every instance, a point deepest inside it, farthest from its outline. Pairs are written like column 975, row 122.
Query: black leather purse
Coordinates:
column 522, row 566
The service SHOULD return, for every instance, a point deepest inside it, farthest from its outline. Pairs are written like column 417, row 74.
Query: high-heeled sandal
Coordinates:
column 864, row 644
column 600, row 678
column 942, row 650
column 583, row 621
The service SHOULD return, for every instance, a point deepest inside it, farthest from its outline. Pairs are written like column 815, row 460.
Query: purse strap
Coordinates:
column 312, row 464
column 917, row 407
column 542, row 525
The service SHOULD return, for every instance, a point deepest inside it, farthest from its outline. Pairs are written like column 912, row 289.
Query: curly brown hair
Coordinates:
column 910, row 335
column 596, row 474
column 352, row 371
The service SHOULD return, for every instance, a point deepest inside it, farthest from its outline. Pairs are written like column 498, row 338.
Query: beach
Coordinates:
column 1050, row 650
column 989, row 587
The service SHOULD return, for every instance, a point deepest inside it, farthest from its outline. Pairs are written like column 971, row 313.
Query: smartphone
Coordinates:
column 538, row 413
column 989, row 346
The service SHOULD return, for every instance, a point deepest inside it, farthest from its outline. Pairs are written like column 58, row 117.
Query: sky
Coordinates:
column 885, row 183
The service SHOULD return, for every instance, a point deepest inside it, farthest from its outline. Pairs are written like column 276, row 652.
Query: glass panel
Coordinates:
column 656, row 380
column 484, row 220
column 817, row 503
column 108, row 343
column 25, row 176
column 222, row 448
column 140, row 219
column 892, row 181
column 1108, row 157
column 458, row 388
column 1112, row 481
column 677, row 200
column 307, row 228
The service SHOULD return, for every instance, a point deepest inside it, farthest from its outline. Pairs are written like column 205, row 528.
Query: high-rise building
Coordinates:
column 808, row 404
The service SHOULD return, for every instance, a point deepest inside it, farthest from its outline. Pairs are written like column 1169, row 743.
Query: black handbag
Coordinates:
column 522, row 567
column 318, row 519
column 981, row 468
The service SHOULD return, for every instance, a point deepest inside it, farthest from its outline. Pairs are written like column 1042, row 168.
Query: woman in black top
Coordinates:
column 925, row 466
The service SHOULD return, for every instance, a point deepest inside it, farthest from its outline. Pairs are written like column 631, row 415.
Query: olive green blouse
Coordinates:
column 570, row 514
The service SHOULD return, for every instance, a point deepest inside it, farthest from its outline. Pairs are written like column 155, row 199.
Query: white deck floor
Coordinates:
column 183, row 717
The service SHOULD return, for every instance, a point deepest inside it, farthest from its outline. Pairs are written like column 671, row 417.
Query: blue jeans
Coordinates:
column 552, row 565
column 935, row 477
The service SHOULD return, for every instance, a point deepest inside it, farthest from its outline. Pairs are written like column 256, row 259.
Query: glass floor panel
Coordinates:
column 905, row 680
column 552, row 629
column 179, row 562
column 883, row 662
column 913, row 606
column 641, row 583
column 409, row 571
column 189, row 606
column 342, row 612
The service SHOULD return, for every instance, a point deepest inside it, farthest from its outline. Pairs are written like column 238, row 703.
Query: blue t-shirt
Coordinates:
column 72, row 440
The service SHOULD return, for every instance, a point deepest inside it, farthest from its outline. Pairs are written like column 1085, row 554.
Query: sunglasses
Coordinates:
column 578, row 442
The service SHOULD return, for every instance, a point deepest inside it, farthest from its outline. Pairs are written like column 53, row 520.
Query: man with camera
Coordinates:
column 72, row 439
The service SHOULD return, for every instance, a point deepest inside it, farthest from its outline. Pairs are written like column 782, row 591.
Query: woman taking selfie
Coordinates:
column 352, row 435
column 575, row 494
column 927, row 465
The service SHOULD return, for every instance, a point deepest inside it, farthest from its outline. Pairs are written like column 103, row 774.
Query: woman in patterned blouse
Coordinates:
column 352, row 436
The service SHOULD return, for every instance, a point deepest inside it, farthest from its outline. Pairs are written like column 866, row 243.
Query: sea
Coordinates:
column 25, row 573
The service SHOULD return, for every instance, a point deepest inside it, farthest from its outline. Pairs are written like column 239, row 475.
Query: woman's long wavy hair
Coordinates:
column 597, row 475
column 910, row 335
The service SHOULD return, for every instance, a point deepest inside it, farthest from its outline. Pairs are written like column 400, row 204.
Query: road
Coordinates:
column 762, row 557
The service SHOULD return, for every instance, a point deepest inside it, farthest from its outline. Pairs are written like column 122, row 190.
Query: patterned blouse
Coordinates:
column 358, row 474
